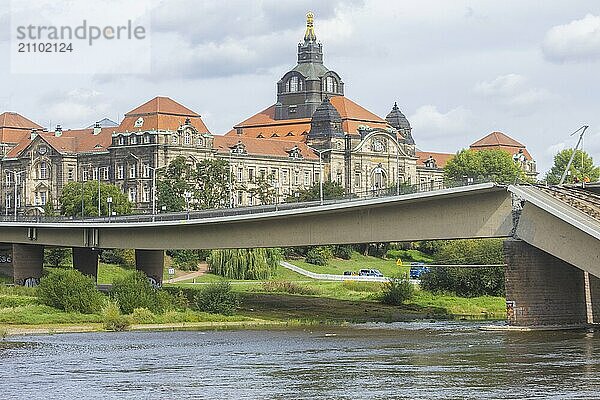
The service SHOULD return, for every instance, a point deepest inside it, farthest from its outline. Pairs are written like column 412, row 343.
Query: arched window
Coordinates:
column 187, row 138
column 293, row 84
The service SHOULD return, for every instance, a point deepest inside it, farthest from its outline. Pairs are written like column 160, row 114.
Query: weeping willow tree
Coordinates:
column 244, row 263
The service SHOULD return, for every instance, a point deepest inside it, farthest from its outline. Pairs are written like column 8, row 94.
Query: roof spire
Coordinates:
column 310, row 36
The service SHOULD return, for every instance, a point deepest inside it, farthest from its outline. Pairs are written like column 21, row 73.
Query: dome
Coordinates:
column 399, row 121
column 326, row 121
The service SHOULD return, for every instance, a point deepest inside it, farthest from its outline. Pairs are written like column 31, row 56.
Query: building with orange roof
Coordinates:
column 500, row 141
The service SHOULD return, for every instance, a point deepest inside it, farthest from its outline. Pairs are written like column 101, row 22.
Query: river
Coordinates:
column 419, row 360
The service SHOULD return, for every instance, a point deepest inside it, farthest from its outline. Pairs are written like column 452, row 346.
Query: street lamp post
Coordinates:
column 320, row 153
column 109, row 201
column 188, row 196
column 99, row 204
column 153, row 169
column 16, row 174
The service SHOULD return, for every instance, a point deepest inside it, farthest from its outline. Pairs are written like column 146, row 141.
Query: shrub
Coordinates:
column 318, row 255
column 142, row 316
column 71, row 291
column 113, row 319
column 396, row 291
column 343, row 251
column 57, row 256
column 217, row 298
column 135, row 291
column 465, row 282
column 186, row 260
column 288, row 287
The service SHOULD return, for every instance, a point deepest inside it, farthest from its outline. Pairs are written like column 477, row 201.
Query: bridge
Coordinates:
column 551, row 250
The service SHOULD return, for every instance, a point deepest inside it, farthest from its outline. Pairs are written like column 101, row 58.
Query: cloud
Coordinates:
column 514, row 91
column 431, row 123
column 577, row 41
column 69, row 108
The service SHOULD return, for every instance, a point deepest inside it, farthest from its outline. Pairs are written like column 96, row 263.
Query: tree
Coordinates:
column 331, row 190
column 467, row 281
column 581, row 169
column 494, row 165
column 263, row 190
column 71, row 199
column 244, row 263
column 208, row 184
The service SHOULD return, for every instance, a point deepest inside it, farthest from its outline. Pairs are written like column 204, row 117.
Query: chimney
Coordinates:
column 58, row 131
column 97, row 128
column 33, row 134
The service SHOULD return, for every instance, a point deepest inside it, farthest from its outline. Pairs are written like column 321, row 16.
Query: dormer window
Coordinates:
column 121, row 140
column 295, row 153
column 331, row 84
column 294, row 84
column 138, row 122
column 239, row 149
column 430, row 163
column 133, row 140
column 187, row 137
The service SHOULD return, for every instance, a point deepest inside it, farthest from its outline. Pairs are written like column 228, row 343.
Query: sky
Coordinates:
column 457, row 69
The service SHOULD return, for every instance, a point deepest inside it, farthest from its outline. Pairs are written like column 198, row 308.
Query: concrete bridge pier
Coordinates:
column 85, row 260
column 28, row 262
column 152, row 263
column 542, row 290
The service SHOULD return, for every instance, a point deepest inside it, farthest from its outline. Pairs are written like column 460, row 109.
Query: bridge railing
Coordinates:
column 249, row 210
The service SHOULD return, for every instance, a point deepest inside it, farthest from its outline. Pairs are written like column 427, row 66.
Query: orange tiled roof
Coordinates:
column 440, row 158
column 15, row 127
column 71, row 141
column 262, row 147
column 264, row 124
column 499, row 140
column 161, row 113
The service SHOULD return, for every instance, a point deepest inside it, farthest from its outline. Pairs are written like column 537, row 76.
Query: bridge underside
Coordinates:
column 448, row 215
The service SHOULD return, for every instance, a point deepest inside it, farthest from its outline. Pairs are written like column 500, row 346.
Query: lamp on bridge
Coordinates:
column 109, row 201
column 188, row 196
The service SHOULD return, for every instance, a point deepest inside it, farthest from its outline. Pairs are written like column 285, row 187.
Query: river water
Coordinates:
column 419, row 360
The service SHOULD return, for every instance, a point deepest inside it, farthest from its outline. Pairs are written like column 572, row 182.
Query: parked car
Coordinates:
column 417, row 269
column 370, row 272
column 349, row 273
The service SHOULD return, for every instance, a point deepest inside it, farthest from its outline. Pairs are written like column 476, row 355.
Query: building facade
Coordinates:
column 312, row 131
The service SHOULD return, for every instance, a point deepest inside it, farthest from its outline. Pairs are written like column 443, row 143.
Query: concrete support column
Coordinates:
column 542, row 290
column 594, row 282
column 28, row 261
column 85, row 260
column 152, row 262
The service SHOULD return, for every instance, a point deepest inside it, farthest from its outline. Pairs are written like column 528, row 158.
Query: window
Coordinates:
column 357, row 179
column 294, row 84
column 240, row 174
column 70, row 174
column 146, row 138
column 174, row 139
column 330, row 84
column 121, row 140
column 275, row 174
column 8, row 177
column 104, row 173
column 42, row 171
column 263, row 173
column 7, row 201
column 133, row 140
column 95, row 174
column 84, row 175
column 132, row 170
column 187, row 138
column 18, row 200
column 41, row 198
column 251, row 174
column 296, row 177
column 317, row 177
column 132, row 193
column 306, row 178
column 284, row 176
column 146, row 171
column 138, row 122
column 120, row 171
column 146, row 194
column 240, row 197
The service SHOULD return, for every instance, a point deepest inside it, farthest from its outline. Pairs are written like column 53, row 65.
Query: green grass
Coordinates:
column 358, row 261
column 282, row 274
column 485, row 306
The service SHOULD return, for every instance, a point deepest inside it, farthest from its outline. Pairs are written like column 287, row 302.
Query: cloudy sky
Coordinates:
column 458, row 69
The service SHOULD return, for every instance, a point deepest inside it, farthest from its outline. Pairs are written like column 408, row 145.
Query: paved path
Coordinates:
column 331, row 277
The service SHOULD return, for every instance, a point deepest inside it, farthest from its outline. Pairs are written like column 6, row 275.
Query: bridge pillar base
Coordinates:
column 542, row 290
column 152, row 263
column 28, row 262
column 85, row 260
